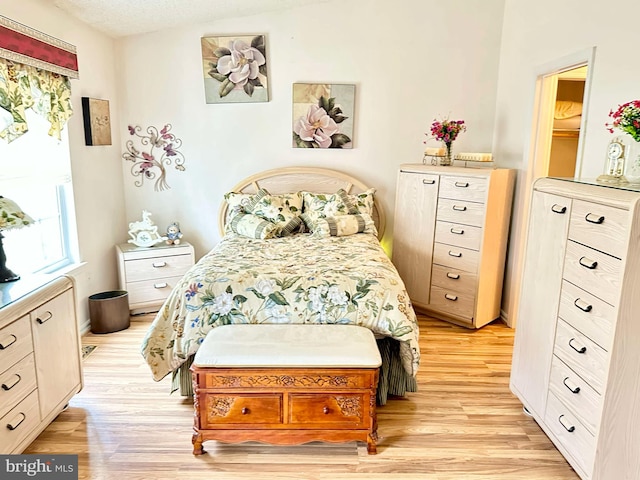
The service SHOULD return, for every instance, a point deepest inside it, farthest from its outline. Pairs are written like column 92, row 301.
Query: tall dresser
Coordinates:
column 576, row 358
column 450, row 238
column 40, row 361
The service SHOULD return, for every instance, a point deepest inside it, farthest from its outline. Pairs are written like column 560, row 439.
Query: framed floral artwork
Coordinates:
column 235, row 69
column 323, row 115
column 97, row 121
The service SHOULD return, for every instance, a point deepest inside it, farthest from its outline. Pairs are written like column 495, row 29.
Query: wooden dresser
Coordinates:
column 149, row 274
column 576, row 359
column 40, row 359
column 450, row 238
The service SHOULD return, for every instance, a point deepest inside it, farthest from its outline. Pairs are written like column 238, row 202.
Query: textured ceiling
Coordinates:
column 120, row 18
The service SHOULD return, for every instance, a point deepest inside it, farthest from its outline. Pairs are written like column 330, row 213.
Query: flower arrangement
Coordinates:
column 447, row 130
column 627, row 119
column 151, row 164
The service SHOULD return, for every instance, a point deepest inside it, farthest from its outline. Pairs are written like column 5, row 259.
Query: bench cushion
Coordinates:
column 267, row 345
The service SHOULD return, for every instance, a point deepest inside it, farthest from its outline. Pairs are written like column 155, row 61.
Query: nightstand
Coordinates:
column 150, row 273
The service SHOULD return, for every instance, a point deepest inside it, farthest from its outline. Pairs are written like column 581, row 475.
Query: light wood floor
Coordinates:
column 462, row 424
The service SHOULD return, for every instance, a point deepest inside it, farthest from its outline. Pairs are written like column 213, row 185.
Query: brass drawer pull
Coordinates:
column 582, row 349
column 47, row 316
column 326, row 410
column 568, row 429
column 448, row 296
column 462, row 184
column 9, row 387
column 11, row 342
column 453, row 276
column 160, row 285
column 459, row 208
column 14, row 426
column 590, row 264
column 455, row 254
column 244, row 411
column 573, row 389
column 159, row 264
column 560, row 209
column 592, row 218
column 584, row 306
column 457, row 231
column 428, row 182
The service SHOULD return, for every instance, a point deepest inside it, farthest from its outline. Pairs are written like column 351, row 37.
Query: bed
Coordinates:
column 308, row 278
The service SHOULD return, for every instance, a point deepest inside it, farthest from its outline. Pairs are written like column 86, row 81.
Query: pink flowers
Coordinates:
column 447, row 130
column 316, row 127
column 627, row 119
column 241, row 64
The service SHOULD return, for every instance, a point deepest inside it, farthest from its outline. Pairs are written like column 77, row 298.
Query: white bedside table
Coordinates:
column 149, row 274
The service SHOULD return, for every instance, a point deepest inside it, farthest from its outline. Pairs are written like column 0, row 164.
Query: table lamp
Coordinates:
column 11, row 216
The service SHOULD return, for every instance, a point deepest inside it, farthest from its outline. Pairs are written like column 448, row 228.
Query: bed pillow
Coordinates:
column 322, row 205
column 252, row 226
column 364, row 201
column 341, row 225
column 281, row 210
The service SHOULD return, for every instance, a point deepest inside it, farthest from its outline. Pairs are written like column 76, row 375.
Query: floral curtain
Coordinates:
column 23, row 87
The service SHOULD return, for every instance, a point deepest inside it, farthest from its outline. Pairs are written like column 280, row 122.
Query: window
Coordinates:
column 35, row 172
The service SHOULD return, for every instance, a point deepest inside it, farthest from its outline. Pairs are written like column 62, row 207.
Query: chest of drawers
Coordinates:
column 576, row 361
column 149, row 274
column 450, row 238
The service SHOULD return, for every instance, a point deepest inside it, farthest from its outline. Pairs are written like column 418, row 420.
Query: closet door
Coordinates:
column 414, row 229
column 539, row 299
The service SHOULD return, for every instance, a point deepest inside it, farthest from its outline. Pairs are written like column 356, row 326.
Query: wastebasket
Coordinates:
column 109, row 311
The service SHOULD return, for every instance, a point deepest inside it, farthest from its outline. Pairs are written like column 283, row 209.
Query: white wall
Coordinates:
column 539, row 33
column 411, row 61
column 96, row 171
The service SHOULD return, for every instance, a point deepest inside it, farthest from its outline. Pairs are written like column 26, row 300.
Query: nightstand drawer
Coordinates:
column 461, row 211
column 16, row 383
column 473, row 189
column 16, row 425
column 457, row 235
column 159, row 267
column 452, row 279
column 241, row 409
column 347, row 410
column 593, row 271
column 456, row 257
column 452, row 302
column 15, row 342
column 151, row 290
column 599, row 227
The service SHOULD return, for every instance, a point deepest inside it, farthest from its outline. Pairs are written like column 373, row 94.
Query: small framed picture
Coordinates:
column 97, row 122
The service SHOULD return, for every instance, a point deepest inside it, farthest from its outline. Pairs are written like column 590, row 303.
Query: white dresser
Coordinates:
column 149, row 274
column 450, row 237
column 576, row 358
column 40, row 359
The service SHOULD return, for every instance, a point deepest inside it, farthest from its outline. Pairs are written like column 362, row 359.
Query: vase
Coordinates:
column 448, row 155
column 632, row 165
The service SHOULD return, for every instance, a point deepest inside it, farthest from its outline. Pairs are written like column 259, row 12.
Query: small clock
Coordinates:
column 615, row 150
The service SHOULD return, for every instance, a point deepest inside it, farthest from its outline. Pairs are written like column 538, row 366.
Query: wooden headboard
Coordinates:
column 310, row 179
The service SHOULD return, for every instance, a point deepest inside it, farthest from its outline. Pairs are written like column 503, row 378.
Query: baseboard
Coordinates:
column 85, row 327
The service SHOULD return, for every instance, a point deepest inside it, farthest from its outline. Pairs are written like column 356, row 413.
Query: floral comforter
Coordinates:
column 294, row 279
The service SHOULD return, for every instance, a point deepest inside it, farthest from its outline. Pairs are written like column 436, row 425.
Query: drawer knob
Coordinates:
column 13, row 426
column 160, row 285
column 455, row 254
column 573, row 389
column 582, row 349
column 159, row 264
column 590, row 264
column 560, row 209
column 592, row 218
column 457, row 231
column 448, row 296
column 584, row 306
column 7, row 344
column 460, row 208
column 245, row 411
column 326, row 410
column 453, row 276
column 45, row 318
column 426, row 181
column 568, row 429
column 9, row 387
column 461, row 184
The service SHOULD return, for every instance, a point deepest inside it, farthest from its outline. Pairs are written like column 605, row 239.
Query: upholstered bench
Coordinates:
column 286, row 384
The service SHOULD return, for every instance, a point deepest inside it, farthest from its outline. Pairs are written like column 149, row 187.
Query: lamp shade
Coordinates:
column 12, row 216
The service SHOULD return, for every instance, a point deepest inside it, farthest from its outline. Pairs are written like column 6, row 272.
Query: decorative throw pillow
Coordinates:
column 322, row 205
column 236, row 205
column 342, row 225
column 252, row 226
column 282, row 210
column 364, row 201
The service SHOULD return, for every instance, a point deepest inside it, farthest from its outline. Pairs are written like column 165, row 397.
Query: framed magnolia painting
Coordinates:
column 235, row 69
column 323, row 115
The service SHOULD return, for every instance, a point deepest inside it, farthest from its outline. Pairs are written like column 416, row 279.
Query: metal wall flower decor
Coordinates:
column 158, row 150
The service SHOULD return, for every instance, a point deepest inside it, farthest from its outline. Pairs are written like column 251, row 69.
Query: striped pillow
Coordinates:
column 252, row 226
column 341, row 225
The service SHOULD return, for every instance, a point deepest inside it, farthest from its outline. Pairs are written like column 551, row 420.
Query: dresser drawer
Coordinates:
column 348, row 410
column 456, row 257
column 151, row 290
column 587, row 313
column 461, row 211
column 581, row 354
column 599, row 227
column 16, row 383
column 158, row 267
column 452, row 279
column 574, row 437
column 593, row 271
column 15, row 342
column 241, row 409
column 19, row 422
column 472, row 189
column 452, row 303
column 464, row 236
column 576, row 394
